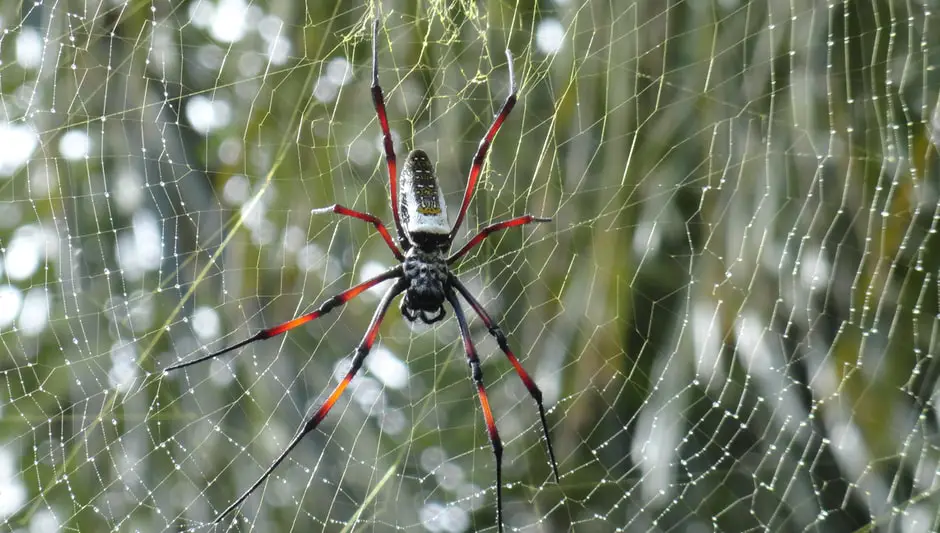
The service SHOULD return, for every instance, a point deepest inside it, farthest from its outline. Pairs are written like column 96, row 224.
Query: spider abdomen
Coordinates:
column 421, row 203
column 426, row 273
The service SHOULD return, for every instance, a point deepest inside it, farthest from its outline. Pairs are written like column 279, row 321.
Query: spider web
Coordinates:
column 732, row 316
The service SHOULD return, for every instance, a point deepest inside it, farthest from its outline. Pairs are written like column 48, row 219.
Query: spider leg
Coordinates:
column 361, row 352
column 324, row 308
column 484, row 147
column 477, row 374
column 372, row 219
column 523, row 375
column 378, row 99
column 485, row 232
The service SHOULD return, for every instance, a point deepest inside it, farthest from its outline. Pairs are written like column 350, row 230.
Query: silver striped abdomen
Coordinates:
column 421, row 202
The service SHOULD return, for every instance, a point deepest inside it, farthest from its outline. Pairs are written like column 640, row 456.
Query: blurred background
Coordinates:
column 733, row 315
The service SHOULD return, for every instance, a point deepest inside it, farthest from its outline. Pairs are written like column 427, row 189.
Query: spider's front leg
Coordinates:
column 480, row 157
column 378, row 100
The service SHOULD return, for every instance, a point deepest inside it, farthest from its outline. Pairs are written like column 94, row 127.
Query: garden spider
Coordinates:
column 424, row 276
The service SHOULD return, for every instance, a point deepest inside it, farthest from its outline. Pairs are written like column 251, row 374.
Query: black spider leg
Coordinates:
column 493, row 228
column 476, row 374
column 480, row 157
column 324, row 308
column 523, row 375
column 365, row 217
column 361, row 352
column 378, row 99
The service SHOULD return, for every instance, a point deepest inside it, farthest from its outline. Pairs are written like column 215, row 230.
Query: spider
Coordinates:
column 424, row 276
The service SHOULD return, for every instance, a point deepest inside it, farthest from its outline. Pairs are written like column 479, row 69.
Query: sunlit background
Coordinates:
column 733, row 315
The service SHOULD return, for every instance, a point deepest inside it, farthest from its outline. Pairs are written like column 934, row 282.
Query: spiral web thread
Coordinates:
column 732, row 315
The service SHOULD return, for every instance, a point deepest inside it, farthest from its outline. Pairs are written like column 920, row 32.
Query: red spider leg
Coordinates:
column 324, row 308
column 523, row 375
column 374, row 220
column 477, row 374
column 485, row 232
column 484, row 147
column 361, row 352
column 379, row 100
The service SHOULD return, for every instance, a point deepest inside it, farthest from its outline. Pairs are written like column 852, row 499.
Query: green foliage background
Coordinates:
column 733, row 313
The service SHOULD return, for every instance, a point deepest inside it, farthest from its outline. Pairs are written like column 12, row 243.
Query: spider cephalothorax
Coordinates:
column 426, row 273
column 424, row 277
